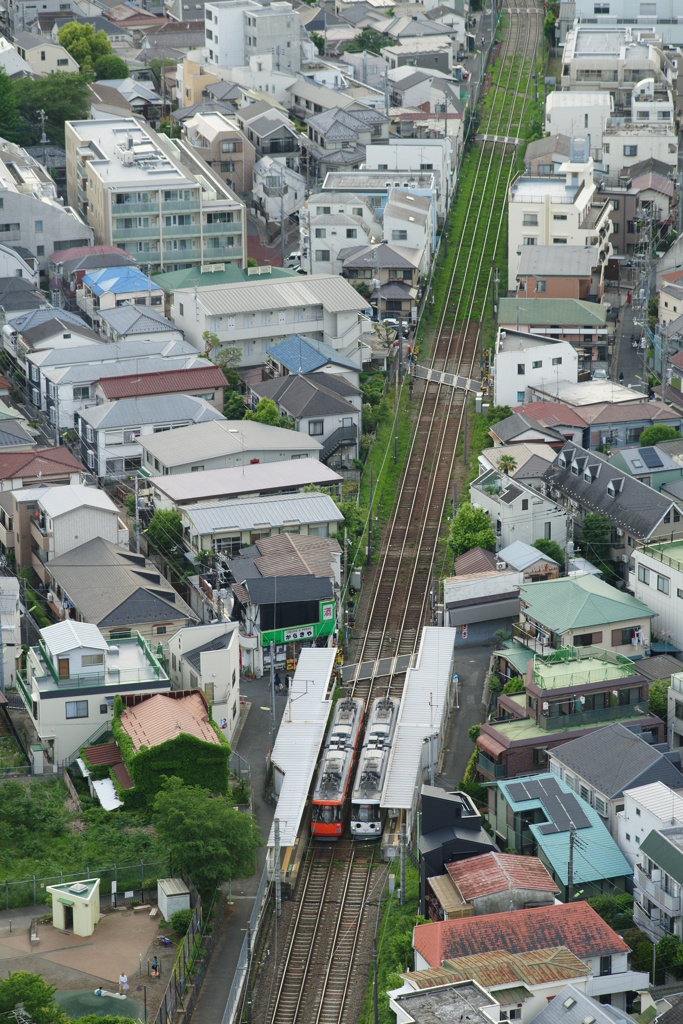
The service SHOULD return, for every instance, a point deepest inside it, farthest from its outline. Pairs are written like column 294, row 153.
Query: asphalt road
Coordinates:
column 471, row 664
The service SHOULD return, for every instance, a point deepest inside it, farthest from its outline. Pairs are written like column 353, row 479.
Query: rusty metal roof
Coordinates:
column 499, row 872
column 509, row 971
column 161, row 718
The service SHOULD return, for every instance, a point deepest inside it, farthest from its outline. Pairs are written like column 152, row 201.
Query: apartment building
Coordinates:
column 624, row 145
column 255, row 315
column 42, row 55
column 240, row 29
column 613, row 59
column 224, row 148
column 152, row 197
column 518, row 512
column 653, row 16
column 562, row 210
column 330, row 222
column 524, row 359
column 579, row 113
column 30, row 211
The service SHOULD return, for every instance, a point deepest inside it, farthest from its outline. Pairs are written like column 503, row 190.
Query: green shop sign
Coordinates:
column 310, row 631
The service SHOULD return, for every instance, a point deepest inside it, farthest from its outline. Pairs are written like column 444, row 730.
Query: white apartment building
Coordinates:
column 645, row 808
column 10, row 628
column 656, row 15
column 524, row 361
column 278, row 189
column 565, row 209
column 418, row 155
column 652, row 104
column 658, row 884
column 256, row 314
column 579, row 113
column 334, row 221
column 207, row 658
column 237, row 30
column 626, row 144
column 152, row 196
column 409, row 222
column 30, row 212
column 613, row 59
column 518, row 512
column 657, row 580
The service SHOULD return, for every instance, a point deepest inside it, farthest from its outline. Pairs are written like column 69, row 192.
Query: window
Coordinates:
column 76, row 709
column 315, row 428
column 530, row 220
column 644, row 575
column 662, row 584
column 528, row 240
column 399, row 235
column 39, row 226
column 351, row 233
column 559, row 241
column 537, row 364
column 679, row 592
column 547, row 531
column 630, row 151
column 520, row 369
column 600, row 8
column 62, row 62
column 40, row 250
column 88, row 660
column 174, row 662
column 161, row 630
column 559, row 216
column 557, row 361
column 81, row 392
column 321, row 232
column 525, row 504
column 322, row 255
column 605, row 966
column 181, row 309
column 103, row 709
column 540, row 284
column 679, row 710
column 520, row 396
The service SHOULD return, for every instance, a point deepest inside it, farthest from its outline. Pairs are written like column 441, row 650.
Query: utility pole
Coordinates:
column 137, row 519
column 25, row 609
column 493, row 289
column 464, row 446
column 680, row 203
column 369, row 558
column 404, row 841
column 345, row 597
column 375, row 1008
column 2, row 659
column 282, row 213
column 397, row 372
column 570, row 866
column 57, row 415
column 272, row 694
column 278, row 880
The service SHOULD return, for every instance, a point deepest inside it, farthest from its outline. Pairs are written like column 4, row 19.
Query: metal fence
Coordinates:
column 133, row 882
column 189, row 967
column 237, row 989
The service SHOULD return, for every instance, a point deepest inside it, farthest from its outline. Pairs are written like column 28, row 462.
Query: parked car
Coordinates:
column 600, row 373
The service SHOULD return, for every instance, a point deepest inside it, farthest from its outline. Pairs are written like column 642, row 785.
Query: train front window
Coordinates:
column 328, row 814
column 367, row 812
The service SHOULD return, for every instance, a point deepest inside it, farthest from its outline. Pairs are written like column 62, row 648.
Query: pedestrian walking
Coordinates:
column 621, row 377
column 123, row 982
column 155, row 967
column 278, row 682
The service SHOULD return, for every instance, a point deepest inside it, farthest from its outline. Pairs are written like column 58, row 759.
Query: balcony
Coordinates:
column 38, row 566
column 610, row 984
column 651, row 925
column 275, row 191
column 119, row 233
column 596, row 717
column 671, row 904
column 39, row 535
column 222, row 227
column 228, row 252
column 170, row 206
column 532, row 638
column 496, row 771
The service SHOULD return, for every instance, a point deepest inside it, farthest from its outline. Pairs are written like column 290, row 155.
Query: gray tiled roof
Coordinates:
column 614, row 758
column 132, row 412
column 303, row 395
column 132, row 320
column 516, row 424
column 636, row 508
column 581, row 1009
column 557, row 260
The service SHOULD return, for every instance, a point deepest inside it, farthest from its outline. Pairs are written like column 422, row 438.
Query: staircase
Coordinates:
column 338, row 439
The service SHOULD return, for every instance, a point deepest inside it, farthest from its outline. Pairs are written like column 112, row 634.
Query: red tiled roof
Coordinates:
column 499, row 872
column 475, row 560
column 164, row 382
column 62, row 255
column 48, row 461
column 161, row 717
column 103, row 753
column 673, row 276
column 122, row 775
column 654, row 181
column 625, row 412
column 574, row 925
column 551, row 414
column 4, row 383
column 677, row 359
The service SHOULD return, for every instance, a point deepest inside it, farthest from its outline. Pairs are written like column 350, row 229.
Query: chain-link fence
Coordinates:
column 133, row 882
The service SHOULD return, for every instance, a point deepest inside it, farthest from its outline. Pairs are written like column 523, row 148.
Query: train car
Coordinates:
column 333, row 785
column 366, row 816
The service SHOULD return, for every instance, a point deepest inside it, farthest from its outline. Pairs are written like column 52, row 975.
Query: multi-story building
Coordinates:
column 518, row 512
column 658, row 888
column 646, row 805
column 30, row 211
column 523, row 359
column 579, row 113
column 657, row 578
column 277, row 189
column 339, row 138
column 152, row 196
column 624, row 145
column 240, row 29
column 72, row 677
column 390, row 272
column 271, row 132
column 224, row 148
column 255, row 315
column 613, row 59
column 610, row 13
column 561, row 210
column 42, row 55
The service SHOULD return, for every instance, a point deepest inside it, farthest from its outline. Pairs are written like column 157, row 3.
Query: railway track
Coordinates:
column 410, row 543
column 316, row 973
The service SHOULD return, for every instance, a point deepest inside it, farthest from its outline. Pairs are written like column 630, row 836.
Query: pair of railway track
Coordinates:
column 317, row 966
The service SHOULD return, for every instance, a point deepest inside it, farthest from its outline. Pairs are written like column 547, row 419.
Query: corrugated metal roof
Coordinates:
column 502, row 969
column 271, row 512
column 186, row 488
column 164, row 381
column 292, row 554
column 498, row 872
column 173, row 886
column 134, row 412
column 447, row 895
column 334, row 293
column 300, row 738
column 215, row 439
column 423, row 706
column 56, row 501
column 665, row 848
column 69, row 635
column 552, row 312
column 660, row 800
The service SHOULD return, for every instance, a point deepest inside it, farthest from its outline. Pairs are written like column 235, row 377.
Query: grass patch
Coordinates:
column 10, row 753
column 394, row 948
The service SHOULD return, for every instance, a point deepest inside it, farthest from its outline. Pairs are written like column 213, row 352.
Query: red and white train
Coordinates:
column 332, row 792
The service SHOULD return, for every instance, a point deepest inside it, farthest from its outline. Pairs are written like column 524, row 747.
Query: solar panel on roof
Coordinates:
column 651, row 458
column 563, row 809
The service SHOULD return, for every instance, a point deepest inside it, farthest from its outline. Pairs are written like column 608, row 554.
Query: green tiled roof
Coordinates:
column 518, row 656
column 579, row 602
column 231, row 274
column 552, row 312
column 664, row 853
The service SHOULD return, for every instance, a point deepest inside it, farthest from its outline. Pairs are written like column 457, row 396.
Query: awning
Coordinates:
column 444, row 889
column 662, row 647
column 489, row 745
column 67, row 903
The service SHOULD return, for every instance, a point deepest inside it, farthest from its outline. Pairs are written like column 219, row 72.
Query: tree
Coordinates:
column 551, row 549
column 616, row 910
column 109, row 66
column 368, row 39
column 549, row 23
column 594, row 538
column 157, row 64
column 471, row 528
column 658, row 698
column 233, row 405
column 165, row 531
column 265, row 412
column 655, row 434
column 318, row 41
column 84, row 44
column 507, row 464
column 37, row 998
column 10, row 123
column 205, row 835
column 514, row 685
column 64, row 96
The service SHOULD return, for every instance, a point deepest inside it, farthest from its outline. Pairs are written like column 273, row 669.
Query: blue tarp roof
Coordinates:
column 303, row 355
column 119, row 279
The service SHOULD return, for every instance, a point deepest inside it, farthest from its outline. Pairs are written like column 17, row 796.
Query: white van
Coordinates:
column 293, row 260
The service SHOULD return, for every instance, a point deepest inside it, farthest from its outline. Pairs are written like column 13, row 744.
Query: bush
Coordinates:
column 180, row 921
